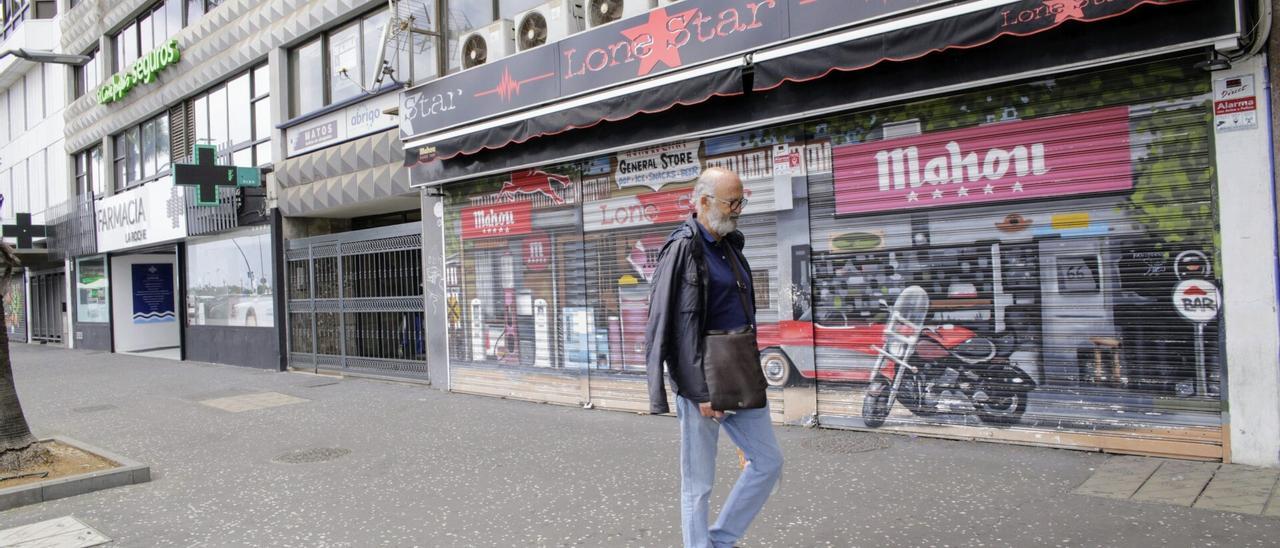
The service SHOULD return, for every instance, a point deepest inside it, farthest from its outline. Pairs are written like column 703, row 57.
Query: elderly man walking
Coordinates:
column 702, row 285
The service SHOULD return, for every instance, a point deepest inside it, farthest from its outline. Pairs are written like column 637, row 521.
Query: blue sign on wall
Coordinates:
column 153, row 293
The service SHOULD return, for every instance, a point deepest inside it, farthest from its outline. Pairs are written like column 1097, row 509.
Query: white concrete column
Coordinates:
column 1247, row 218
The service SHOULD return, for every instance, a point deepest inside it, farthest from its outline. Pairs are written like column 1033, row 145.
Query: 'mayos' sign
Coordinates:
column 1057, row 156
column 664, row 39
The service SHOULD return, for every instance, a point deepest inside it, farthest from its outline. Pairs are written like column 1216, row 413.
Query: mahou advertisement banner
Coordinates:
column 497, row 220
column 1050, row 157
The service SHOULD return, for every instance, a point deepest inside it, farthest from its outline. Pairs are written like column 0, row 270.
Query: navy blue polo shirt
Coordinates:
column 724, row 307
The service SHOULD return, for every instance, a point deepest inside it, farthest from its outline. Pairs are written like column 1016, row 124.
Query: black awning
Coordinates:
column 798, row 63
column 717, row 101
column 690, row 91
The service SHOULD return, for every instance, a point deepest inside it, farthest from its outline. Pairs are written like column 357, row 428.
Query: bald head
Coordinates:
column 719, row 200
column 714, row 183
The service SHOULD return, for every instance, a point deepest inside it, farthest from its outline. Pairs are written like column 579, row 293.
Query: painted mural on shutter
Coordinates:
column 1050, row 222
column 548, row 270
column 15, row 307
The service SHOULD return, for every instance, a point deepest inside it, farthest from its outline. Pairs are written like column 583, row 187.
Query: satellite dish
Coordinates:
column 602, row 12
column 533, row 31
column 474, row 51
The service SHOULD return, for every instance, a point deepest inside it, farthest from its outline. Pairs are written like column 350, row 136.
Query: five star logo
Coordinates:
column 1017, row 187
column 660, row 29
column 962, row 192
column 937, row 194
column 988, row 189
column 1065, row 9
column 913, row 197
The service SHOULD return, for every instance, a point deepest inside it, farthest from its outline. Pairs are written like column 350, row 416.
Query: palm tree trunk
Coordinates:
column 18, row 448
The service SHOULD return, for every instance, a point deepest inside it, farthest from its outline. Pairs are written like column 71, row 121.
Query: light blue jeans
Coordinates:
column 752, row 432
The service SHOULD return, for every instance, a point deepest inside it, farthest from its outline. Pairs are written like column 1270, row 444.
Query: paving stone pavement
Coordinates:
column 361, row 463
column 1202, row 485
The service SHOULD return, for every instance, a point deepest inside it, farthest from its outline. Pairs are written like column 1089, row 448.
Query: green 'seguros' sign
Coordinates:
column 143, row 71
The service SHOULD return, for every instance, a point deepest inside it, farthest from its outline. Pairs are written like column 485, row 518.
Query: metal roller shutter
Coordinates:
column 15, row 307
column 1053, row 218
column 520, row 326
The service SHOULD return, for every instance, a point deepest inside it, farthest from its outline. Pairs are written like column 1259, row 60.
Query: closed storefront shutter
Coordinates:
column 15, row 308
column 1052, row 247
column 548, row 270
column 518, row 322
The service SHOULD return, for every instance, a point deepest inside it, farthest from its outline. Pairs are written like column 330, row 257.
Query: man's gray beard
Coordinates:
column 722, row 224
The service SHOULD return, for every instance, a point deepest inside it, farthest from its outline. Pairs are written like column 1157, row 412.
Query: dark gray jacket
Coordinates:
column 677, row 312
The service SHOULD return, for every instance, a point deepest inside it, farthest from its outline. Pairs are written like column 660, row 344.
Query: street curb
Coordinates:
column 129, row 472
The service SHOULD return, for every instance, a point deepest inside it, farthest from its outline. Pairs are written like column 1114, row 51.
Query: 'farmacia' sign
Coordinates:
column 143, row 71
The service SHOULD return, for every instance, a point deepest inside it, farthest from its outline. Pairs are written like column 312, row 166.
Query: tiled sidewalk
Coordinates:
column 1203, row 485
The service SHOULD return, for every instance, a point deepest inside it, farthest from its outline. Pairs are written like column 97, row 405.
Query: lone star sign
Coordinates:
column 207, row 176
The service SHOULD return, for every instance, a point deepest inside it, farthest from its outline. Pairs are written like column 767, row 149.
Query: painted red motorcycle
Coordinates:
column 937, row 369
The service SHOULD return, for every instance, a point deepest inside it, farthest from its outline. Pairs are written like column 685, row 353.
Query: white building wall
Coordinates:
column 1248, row 228
column 33, row 163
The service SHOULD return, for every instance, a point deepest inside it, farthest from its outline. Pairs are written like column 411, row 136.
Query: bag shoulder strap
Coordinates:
column 742, row 286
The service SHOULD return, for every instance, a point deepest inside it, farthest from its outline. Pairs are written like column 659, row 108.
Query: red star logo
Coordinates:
column 1066, row 9
column 663, row 34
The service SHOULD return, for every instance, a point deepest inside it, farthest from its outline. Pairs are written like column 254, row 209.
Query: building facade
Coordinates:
column 448, row 197
column 33, row 171
column 158, row 269
column 1076, row 217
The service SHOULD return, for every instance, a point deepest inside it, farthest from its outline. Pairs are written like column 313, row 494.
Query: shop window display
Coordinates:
column 92, row 290
column 229, row 280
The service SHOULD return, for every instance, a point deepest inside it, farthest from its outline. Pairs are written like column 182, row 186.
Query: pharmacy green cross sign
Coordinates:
column 207, row 176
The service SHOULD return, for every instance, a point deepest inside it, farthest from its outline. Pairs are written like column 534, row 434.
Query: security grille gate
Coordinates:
column 48, row 305
column 356, row 302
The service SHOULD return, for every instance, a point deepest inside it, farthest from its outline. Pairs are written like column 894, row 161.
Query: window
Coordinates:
column 307, row 78
column 88, row 166
column 142, row 152
column 37, row 185
column 35, row 97
column 88, row 75
column 46, row 9
column 17, row 111
column 153, row 28
column 509, row 8
column 54, row 80
column 463, row 17
column 4, row 109
column 236, row 118
column 241, row 294
column 343, row 63
column 92, row 290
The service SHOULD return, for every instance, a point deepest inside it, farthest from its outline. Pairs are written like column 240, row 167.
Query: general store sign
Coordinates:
column 1044, row 158
column 151, row 214
column 657, row 166
column 354, row 121
column 143, row 71
column 664, row 39
column 497, row 220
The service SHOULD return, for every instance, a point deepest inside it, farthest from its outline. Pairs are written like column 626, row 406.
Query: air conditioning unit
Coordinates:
column 603, row 12
column 486, row 44
column 549, row 22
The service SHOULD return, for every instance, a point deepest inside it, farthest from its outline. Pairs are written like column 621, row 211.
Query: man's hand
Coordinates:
column 710, row 413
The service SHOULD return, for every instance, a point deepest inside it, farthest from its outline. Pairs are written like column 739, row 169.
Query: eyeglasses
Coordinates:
column 734, row 205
